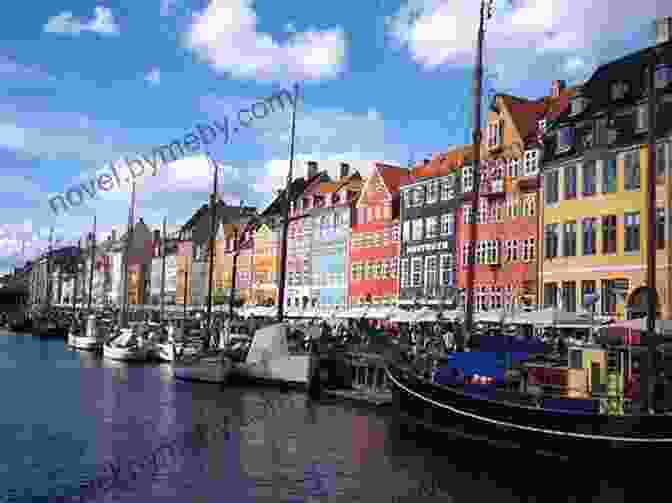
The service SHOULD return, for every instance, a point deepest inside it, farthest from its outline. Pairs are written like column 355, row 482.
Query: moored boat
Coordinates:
column 128, row 346
column 214, row 367
column 91, row 340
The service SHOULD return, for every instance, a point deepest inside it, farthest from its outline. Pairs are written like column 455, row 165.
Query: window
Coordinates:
column 587, row 291
column 609, row 234
column 570, row 181
column 492, row 252
column 569, row 296
column 527, row 251
column 631, row 227
column 565, row 139
column 447, row 274
column 495, row 134
column 481, row 252
column 550, row 295
column 663, row 76
column 508, row 250
column 483, row 211
column 661, row 159
column 408, row 199
column 448, row 224
column 589, row 236
column 609, row 176
column 601, row 131
column 467, row 178
column 551, row 235
column 417, row 229
column 578, row 105
column 531, row 162
column 467, row 249
column 631, row 171
column 418, row 197
column 551, row 188
column 569, row 239
column 432, row 227
column 660, row 228
column 589, row 176
column 445, row 191
column 416, row 272
column 431, row 272
column 642, row 118
column 433, row 192
column 405, row 273
column 608, row 296
column 468, row 216
column 406, row 233
column 619, row 90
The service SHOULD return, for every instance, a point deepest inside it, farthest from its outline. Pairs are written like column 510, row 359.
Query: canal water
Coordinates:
column 74, row 427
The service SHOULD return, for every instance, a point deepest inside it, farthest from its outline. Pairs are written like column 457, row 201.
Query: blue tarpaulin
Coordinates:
column 488, row 364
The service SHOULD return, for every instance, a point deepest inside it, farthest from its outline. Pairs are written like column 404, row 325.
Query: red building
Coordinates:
column 374, row 245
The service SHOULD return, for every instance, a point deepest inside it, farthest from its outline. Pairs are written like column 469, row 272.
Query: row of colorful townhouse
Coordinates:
column 560, row 215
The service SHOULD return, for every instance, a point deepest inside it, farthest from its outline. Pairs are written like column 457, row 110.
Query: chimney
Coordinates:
column 425, row 162
column 345, row 170
column 312, row 170
column 557, row 87
column 663, row 30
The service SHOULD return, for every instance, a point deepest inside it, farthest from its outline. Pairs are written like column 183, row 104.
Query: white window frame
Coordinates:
column 431, row 271
column 432, row 192
column 417, row 230
column 495, row 134
column 481, row 252
column 431, row 227
column 447, row 224
column 416, row 269
column 406, row 234
column 467, row 178
column 467, row 212
column 446, row 270
column 642, row 118
column 492, row 251
column 531, row 162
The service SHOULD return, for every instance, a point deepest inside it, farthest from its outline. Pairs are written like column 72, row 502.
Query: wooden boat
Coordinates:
column 91, row 340
column 214, row 367
column 128, row 346
column 506, row 420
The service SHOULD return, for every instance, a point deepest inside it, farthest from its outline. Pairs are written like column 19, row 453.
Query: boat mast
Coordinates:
column 163, row 270
column 123, row 319
column 285, row 213
column 477, row 135
column 651, row 291
column 211, row 241
column 93, row 261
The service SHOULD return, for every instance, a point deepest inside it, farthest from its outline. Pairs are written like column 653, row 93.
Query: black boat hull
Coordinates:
column 557, row 433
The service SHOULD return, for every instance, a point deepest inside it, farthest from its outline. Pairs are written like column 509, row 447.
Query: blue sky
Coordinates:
column 85, row 83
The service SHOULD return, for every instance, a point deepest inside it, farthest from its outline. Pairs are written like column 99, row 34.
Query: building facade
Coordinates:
column 374, row 246
column 429, row 218
column 318, row 241
column 266, row 265
column 595, row 179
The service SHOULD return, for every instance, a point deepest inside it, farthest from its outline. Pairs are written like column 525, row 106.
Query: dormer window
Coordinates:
column 578, row 105
column 619, row 90
column 663, row 76
column 495, row 134
column 565, row 139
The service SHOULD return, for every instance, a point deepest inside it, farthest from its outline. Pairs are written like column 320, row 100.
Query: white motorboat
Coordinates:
column 91, row 340
column 269, row 359
column 214, row 367
column 128, row 346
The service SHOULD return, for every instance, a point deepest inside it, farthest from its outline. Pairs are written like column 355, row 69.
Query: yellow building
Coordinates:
column 600, row 238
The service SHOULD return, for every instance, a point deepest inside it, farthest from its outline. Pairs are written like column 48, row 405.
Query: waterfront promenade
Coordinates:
column 70, row 417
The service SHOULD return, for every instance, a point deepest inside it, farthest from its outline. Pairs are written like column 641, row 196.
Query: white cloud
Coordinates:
column 103, row 23
column 153, row 77
column 225, row 35
column 436, row 32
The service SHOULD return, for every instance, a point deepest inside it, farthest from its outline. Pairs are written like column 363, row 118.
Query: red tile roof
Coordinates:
column 445, row 163
column 394, row 176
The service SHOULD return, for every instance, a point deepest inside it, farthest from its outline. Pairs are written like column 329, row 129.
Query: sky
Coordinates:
column 88, row 84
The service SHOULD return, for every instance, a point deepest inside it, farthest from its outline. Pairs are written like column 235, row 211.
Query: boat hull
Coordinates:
column 294, row 370
column 83, row 342
column 162, row 352
column 213, row 369
column 557, row 433
column 125, row 354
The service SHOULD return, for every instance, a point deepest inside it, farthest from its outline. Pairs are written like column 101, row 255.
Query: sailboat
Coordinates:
column 129, row 345
column 209, row 366
column 513, row 418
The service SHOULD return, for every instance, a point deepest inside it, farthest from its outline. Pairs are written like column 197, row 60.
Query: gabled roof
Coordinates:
column 394, row 177
column 444, row 163
column 296, row 190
